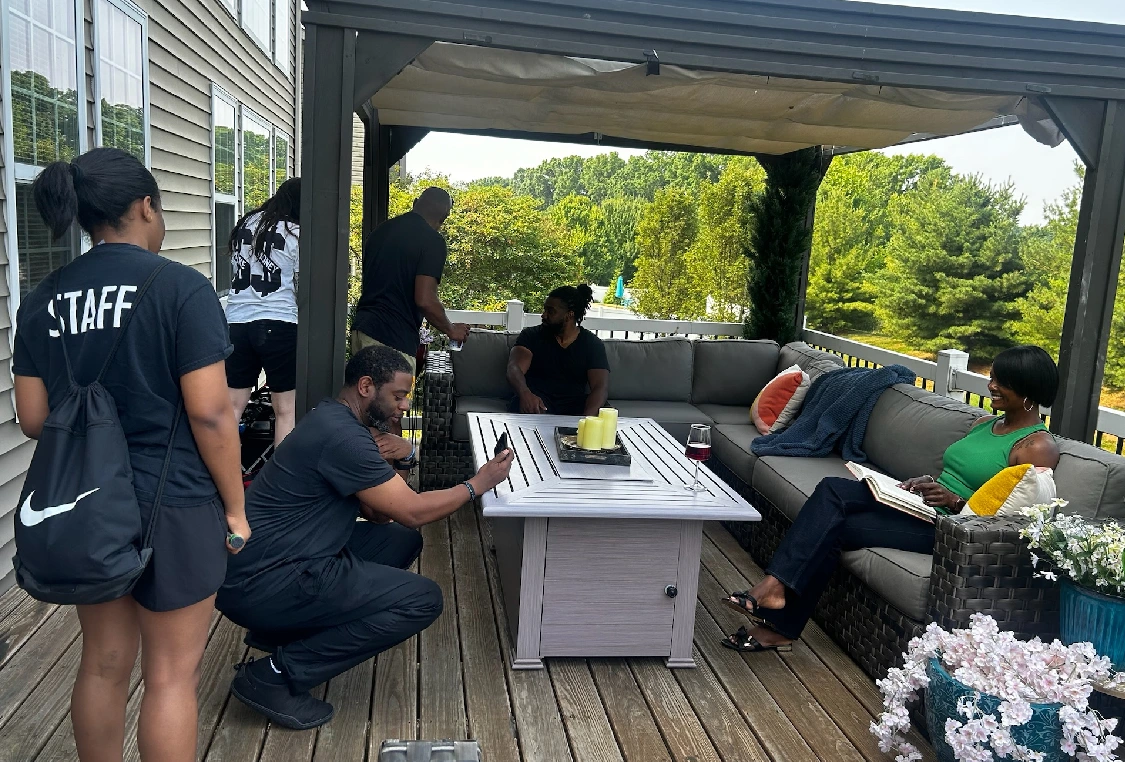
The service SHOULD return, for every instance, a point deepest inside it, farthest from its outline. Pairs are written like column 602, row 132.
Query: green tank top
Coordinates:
column 978, row 456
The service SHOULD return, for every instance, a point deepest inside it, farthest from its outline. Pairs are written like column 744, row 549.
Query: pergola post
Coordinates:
column 325, row 211
column 1093, row 275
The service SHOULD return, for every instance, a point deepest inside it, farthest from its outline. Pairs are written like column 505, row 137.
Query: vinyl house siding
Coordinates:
column 192, row 44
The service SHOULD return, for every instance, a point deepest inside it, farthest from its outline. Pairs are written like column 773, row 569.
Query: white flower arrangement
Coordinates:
column 1019, row 673
column 426, row 334
column 1092, row 555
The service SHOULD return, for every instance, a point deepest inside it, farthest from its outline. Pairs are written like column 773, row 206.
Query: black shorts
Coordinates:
column 189, row 555
column 269, row 345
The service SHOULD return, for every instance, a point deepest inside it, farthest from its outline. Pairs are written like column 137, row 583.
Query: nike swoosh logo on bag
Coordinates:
column 30, row 517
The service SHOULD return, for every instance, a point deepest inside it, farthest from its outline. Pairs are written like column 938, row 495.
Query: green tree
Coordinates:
column 551, row 181
column 717, row 264
column 501, row 246
column 618, row 234
column 580, row 220
column 853, row 226
column 661, row 288
column 954, row 274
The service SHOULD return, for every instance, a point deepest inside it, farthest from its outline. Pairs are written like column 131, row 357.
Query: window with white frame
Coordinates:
column 256, row 160
column 122, row 87
column 47, row 125
column 281, row 34
column 280, row 158
column 225, row 185
column 257, row 20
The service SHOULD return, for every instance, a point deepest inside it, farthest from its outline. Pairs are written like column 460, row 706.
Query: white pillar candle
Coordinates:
column 594, row 427
column 582, row 433
column 609, row 427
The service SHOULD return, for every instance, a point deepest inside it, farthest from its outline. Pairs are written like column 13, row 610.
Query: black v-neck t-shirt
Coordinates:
column 560, row 373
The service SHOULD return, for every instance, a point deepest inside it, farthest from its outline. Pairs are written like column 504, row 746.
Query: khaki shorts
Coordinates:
column 361, row 340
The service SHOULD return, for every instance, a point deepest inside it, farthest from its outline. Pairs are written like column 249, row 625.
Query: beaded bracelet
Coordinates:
column 472, row 492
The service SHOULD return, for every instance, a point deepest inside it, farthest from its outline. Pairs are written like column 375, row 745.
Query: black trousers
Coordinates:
column 332, row 614
column 840, row 515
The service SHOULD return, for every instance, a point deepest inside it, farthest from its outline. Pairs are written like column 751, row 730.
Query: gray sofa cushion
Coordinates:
column 910, row 428
column 480, row 368
column 732, row 371
column 473, row 405
column 649, row 370
column 732, row 414
column 730, row 443
column 675, row 417
column 788, row 482
column 1092, row 479
column 899, row 577
column 812, row 361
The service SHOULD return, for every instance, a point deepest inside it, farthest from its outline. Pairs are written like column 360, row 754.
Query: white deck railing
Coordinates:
column 949, row 375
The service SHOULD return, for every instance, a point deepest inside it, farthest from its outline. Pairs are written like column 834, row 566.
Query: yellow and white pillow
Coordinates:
column 1013, row 488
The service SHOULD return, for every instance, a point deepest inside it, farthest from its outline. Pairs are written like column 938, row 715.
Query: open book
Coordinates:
column 886, row 491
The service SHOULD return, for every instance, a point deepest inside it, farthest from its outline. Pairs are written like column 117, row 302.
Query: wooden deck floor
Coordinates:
column 453, row 682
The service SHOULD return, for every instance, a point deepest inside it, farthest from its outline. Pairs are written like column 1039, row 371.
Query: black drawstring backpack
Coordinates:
column 78, row 524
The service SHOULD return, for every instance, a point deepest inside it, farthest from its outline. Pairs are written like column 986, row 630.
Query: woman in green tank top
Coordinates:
column 841, row 514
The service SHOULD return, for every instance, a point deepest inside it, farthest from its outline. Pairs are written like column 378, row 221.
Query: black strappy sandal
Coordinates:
column 744, row 642
column 739, row 605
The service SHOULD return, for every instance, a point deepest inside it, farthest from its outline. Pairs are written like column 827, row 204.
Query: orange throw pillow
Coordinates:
column 778, row 404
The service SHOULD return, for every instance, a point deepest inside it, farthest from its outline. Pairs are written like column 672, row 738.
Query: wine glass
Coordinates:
column 698, row 450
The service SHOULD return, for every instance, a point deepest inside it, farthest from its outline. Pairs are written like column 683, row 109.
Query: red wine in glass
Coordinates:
column 698, row 451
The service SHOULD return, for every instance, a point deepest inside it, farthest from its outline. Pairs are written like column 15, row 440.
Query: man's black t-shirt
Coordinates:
column 560, row 373
column 397, row 252
column 302, row 506
column 179, row 327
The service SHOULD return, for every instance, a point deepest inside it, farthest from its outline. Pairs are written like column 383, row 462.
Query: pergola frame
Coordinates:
column 353, row 48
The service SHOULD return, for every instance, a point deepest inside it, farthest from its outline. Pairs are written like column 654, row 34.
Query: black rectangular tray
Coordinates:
column 569, row 452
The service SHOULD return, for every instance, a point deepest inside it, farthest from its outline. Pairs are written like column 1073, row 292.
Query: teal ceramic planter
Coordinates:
column 1043, row 732
column 1087, row 616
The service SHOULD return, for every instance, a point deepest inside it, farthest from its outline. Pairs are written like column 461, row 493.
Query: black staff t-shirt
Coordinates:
column 179, row 327
column 397, row 252
column 561, row 373
column 302, row 505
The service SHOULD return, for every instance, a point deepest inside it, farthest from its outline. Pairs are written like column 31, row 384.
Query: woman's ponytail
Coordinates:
column 56, row 197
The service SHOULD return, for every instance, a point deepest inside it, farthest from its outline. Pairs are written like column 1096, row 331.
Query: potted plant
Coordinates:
column 425, row 338
column 1089, row 556
column 990, row 696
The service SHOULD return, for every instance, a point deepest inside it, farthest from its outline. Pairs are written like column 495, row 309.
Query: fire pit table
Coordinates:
column 599, row 560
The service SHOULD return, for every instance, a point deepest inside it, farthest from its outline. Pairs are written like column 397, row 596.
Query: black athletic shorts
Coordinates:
column 269, row 345
column 189, row 555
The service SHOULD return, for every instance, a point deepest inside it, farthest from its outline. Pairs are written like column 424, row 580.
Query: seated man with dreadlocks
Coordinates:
column 559, row 367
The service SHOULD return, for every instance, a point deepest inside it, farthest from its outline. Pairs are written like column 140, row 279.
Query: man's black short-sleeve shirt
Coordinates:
column 179, row 327
column 561, row 373
column 397, row 252
column 302, row 506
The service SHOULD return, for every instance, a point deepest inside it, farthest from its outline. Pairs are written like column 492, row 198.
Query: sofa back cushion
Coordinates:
column 659, row 369
column 1091, row 479
column 732, row 371
column 480, row 368
column 812, row 361
column 910, row 429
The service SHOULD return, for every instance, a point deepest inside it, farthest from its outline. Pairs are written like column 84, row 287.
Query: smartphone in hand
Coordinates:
column 501, row 444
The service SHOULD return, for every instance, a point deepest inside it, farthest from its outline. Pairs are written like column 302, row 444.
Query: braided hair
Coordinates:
column 576, row 298
column 283, row 206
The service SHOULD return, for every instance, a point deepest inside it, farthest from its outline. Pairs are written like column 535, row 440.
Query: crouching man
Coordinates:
column 317, row 589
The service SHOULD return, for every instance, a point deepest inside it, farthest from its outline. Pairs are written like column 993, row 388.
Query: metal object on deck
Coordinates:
column 394, row 750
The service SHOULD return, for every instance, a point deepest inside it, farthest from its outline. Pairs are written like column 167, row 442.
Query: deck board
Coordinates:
column 456, row 680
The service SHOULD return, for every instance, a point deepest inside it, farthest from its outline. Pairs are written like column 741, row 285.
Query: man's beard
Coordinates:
column 377, row 418
column 553, row 329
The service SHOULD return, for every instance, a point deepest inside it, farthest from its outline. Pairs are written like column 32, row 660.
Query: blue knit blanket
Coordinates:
column 836, row 411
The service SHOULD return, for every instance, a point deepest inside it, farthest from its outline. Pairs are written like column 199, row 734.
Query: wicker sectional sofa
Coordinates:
column 880, row 598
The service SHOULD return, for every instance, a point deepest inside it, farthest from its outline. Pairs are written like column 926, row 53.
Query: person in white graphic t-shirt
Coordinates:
column 262, row 305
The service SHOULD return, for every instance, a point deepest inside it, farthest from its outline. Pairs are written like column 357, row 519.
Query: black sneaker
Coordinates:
column 265, row 691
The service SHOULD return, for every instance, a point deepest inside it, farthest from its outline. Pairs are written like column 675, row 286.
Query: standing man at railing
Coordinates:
column 403, row 261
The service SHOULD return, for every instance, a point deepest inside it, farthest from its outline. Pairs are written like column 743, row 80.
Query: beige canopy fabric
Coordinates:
column 452, row 86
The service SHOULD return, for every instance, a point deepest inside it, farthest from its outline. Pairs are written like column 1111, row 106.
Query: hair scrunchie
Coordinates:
column 76, row 174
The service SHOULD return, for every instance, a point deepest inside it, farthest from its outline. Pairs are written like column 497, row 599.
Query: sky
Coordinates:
column 1039, row 174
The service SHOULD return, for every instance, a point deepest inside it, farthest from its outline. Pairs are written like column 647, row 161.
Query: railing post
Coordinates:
column 948, row 362
column 515, row 315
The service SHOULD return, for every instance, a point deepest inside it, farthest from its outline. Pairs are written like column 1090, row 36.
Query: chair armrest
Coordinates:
column 981, row 564
column 437, row 399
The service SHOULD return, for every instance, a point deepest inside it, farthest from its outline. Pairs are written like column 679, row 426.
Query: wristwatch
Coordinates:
column 409, row 462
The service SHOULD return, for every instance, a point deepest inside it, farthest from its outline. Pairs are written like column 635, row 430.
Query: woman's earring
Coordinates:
column 1027, row 407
